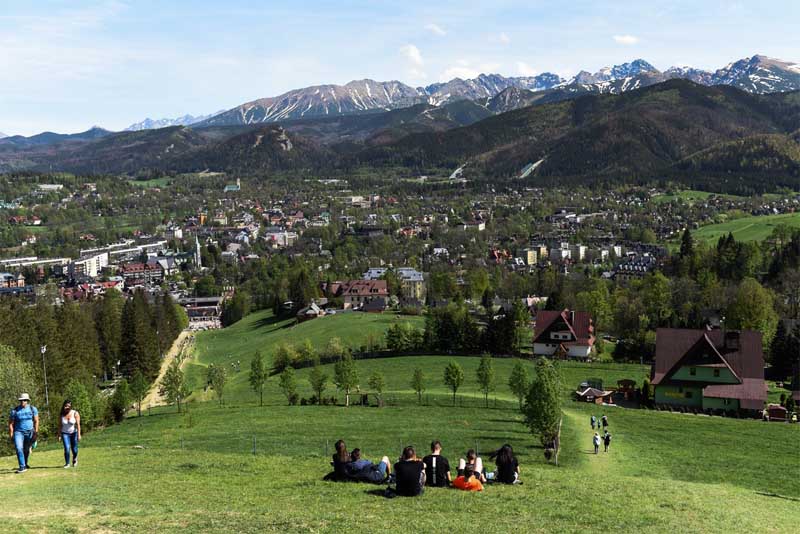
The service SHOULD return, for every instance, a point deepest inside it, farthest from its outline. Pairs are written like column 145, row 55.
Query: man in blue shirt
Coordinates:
column 23, row 428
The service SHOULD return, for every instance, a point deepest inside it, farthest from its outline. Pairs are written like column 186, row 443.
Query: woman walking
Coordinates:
column 70, row 433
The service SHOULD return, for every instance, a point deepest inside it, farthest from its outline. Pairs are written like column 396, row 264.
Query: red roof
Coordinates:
column 578, row 323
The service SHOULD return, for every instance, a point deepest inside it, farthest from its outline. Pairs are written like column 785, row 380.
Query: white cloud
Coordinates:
column 504, row 38
column 435, row 28
column 466, row 69
column 627, row 40
column 523, row 69
column 412, row 54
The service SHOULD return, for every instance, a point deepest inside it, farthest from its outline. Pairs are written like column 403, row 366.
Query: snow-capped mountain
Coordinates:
column 152, row 124
column 757, row 74
column 368, row 95
column 321, row 101
column 2, row 135
column 760, row 74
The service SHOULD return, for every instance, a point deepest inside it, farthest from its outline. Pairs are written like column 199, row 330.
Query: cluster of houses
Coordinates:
column 699, row 370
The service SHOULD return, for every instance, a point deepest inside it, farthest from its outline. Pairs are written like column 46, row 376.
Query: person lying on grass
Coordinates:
column 468, row 481
column 347, row 466
column 475, row 461
column 409, row 474
column 364, row 470
column 507, row 470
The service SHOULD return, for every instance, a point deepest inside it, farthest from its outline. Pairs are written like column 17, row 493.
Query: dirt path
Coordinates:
column 153, row 398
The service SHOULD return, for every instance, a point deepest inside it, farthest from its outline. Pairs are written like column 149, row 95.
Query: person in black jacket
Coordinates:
column 409, row 474
column 437, row 468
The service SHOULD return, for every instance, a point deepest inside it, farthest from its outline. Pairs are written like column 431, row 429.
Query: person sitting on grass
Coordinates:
column 468, row 481
column 340, row 460
column 475, row 461
column 437, row 468
column 364, row 470
column 409, row 474
column 507, row 465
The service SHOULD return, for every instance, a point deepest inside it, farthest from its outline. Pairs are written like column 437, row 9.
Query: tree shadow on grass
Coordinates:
column 268, row 321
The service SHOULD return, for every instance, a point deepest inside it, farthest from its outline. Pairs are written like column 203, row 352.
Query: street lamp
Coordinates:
column 44, row 369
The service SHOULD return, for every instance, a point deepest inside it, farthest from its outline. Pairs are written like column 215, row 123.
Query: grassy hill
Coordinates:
column 756, row 228
column 198, row 472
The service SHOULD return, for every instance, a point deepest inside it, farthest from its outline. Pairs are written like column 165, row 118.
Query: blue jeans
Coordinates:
column 23, row 439
column 70, row 442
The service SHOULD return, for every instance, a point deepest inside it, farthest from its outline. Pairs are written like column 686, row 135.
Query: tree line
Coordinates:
column 84, row 344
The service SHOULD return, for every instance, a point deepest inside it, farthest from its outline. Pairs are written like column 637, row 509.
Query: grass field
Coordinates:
column 756, row 228
column 198, row 472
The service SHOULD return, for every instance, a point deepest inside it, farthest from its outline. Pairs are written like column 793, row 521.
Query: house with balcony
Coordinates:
column 709, row 370
column 564, row 334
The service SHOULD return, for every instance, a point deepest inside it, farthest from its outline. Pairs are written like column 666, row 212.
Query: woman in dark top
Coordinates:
column 409, row 474
column 340, row 460
column 507, row 465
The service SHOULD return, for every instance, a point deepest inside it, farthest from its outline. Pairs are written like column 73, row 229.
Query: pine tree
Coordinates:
column 140, row 345
column 108, row 322
column 258, row 376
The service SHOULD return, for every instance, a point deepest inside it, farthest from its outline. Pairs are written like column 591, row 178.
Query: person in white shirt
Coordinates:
column 70, row 433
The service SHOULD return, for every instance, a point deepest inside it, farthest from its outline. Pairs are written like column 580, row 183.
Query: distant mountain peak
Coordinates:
column 184, row 120
column 2, row 135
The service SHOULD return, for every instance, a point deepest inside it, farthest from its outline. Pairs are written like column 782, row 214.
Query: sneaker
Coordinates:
column 75, row 463
column 66, row 466
column 21, row 470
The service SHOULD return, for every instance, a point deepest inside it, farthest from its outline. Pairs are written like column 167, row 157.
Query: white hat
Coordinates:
column 25, row 397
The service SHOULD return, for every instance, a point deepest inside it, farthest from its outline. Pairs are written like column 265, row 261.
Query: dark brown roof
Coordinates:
column 745, row 359
column 579, row 324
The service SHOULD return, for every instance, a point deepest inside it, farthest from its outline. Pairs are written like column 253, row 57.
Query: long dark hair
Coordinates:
column 63, row 406
column 341, row 452
column 503, row 456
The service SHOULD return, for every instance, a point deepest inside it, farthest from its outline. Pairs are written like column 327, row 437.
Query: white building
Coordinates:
column 91, row 265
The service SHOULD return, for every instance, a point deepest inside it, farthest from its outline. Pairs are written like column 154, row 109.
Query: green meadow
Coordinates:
column 755, row 228
column 238, row 467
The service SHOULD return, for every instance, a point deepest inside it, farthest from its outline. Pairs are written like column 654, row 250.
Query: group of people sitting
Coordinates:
column 410, row 474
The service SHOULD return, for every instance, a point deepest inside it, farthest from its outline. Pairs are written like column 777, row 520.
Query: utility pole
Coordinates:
column 44, row 369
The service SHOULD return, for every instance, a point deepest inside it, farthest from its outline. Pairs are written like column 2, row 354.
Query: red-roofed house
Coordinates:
column 356, row 293
column 566, row 333
column 709, row 369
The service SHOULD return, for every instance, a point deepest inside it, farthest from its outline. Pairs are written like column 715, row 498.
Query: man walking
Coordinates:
column 23, row 428
column 606, row 440
column 604, row 419
column 593, row 421
column 596, row 442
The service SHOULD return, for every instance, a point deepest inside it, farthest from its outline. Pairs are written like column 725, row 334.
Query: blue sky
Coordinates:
column 66, row 65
